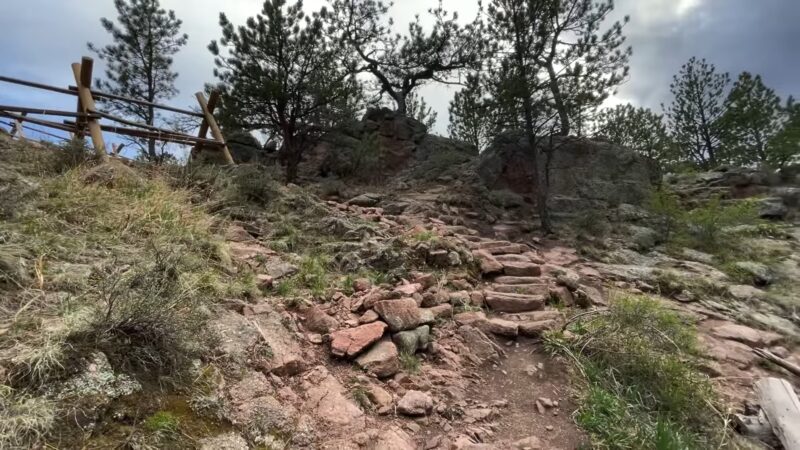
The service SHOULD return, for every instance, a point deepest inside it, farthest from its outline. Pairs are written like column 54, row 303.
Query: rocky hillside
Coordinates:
column 158, row 308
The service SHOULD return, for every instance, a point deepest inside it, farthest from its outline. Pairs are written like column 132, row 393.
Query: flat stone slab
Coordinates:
column 517, row 280
column 744, row 334
column 513, row 303
column 530, row 289
column 508, row 249
column 536, row 328
column 522, row 269
column 352, row 341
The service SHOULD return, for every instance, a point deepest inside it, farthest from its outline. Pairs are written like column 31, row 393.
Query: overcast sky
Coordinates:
column 42, row 38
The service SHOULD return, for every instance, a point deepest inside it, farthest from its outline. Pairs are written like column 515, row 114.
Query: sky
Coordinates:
column 42, row 38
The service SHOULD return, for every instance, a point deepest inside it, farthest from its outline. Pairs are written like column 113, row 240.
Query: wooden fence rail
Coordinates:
column 86, row 118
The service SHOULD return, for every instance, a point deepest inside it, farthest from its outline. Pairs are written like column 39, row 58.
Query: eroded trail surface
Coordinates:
column 448, row 358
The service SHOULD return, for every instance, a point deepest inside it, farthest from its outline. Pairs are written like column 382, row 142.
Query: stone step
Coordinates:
column 534, row 316
column 513, row 303
column 512, row 258
column 517, row 280
column 521, row 269
column 507, row 249
column 530, row 289
column 485, row 245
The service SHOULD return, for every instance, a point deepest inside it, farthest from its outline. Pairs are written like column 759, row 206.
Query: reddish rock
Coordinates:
column 476, row 298
column 319, row 321
column 407, row 290
column 439, row 311
column 401, row 314
column 483, row 245
column 513, row 303
column 427, row 280
column 562, row 295
column 329, row 400
column 522, row 269
column 512, row 248
column 517, row 280
column 488, row 263
column 536, row 328
column 353, row 341
column 381, row 360
column 362, row 285
column 745, row 334
column 368, row 317
column 470, row 318
column 502, row 327
column 264, row 281
column 541, row 288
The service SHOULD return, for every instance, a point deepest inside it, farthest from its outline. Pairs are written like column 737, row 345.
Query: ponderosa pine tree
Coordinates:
column 639, row 129
column 784, row 147
column 520, row 29
column 139, row 62
column 470, row 114
column 283, row 75
column 753, row 117
column 694, row 116
column 419, row 110
column 583, row 64
column 402, row 63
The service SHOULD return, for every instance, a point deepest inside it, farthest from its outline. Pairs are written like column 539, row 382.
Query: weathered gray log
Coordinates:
column 782, row 408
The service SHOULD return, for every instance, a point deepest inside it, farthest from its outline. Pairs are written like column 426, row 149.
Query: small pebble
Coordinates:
column 549, row 428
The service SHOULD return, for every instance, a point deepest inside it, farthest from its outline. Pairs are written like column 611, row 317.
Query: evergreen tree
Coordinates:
column 402, row 63
column 784, row 147
column 695, row 113
column 418, row 109
column 639, row 129
column 139, row 62
column 753, row 116
column 283, row 75
column 520, row 29
column 470, row 114
column 583, row 64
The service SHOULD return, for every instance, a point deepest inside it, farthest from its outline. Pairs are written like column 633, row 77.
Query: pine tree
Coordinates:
column 520, row 29
column 639, row 129
column 139, row 62
column 583, row 64
column 283, row 75
column 470, row 114
column 784, row 147
column 753, row 116
column 402, row 63
column 695, row 113
column 419, row 110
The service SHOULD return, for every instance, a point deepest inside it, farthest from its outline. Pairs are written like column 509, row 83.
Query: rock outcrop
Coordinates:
column 582, row 173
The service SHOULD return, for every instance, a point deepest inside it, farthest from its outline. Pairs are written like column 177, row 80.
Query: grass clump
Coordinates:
column 24, row 420
column 162, row 422
column 410, row 362
column 644, row 388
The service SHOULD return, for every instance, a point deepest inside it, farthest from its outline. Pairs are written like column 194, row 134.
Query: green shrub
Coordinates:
column 644, row 385
column 667, row 212
column 705, row 224
column 410, row 362
column 147, row 318
column 73, row 154
column 162, row 422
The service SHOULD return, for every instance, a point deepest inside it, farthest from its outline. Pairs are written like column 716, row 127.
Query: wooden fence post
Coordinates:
column 16, row 130
column 83, row 77
column 211, row 123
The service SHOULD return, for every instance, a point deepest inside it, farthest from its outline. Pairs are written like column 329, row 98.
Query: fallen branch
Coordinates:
column 782, row 408
column 771, row 357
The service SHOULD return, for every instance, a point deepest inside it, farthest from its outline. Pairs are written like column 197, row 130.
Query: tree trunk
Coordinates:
column 292, row 156
column 561, row 108
column 400, row 100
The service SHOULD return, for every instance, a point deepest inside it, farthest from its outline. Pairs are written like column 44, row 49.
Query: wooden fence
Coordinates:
column 85, row 121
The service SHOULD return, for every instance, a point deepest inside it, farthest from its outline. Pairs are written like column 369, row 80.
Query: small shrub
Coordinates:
column 162, row 422
column 705, row 225
column 593, row 223
column 24, row 420
column 313, row 274
column 410, row 362
column 74, row 153
column 667, row 212
column 425, row 236
column 285, row 288
column 359, row 394
column 147, row 318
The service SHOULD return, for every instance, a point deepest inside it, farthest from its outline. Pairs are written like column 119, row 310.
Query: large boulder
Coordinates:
column 582, row 173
